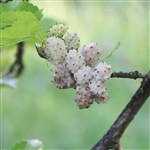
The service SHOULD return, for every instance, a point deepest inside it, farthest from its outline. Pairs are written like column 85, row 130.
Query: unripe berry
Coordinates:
column 72, row 41
column 57, row 30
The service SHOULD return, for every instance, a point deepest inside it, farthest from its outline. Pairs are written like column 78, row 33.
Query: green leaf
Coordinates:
column 1, row 49
column 19, row 26
column 46, row 23
column 28, row 145
column 19, row 31
column 109, row 53
column 8, row 18
column 21, row 6
column 8, row 81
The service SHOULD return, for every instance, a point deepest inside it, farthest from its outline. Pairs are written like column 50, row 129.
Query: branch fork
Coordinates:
column 111, row 140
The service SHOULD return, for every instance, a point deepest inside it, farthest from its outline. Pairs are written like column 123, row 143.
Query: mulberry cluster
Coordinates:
column 74, row 69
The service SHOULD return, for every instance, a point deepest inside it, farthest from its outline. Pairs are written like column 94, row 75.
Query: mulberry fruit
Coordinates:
column 55, row 50
column 84, row 98
column 83, row 75
column 101, row 98
column 102, row 72
column 57, row 30
column 99, row 91
column 97, row 87
column 74, row 61
column 62, row 77
column 72, row 41
column 91, row 53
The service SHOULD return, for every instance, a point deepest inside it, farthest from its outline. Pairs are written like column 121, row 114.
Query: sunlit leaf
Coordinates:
column 46, row 23
column 109, row 53
column 18, row 32
column 28, row 145
column 8, row 18
column 21, row 6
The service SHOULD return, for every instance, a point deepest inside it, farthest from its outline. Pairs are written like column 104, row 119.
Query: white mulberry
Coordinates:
column 72, row 41
column 91, row 53
column 102, row 72
column 101, row 98
column 55, row 50
column 74, row 61
column 84, row 98
column 62, row 76
column 83, row 75
column 97, row 87
column 99, row 91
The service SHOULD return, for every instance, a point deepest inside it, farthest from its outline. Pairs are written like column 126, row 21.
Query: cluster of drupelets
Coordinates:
column 74, row 69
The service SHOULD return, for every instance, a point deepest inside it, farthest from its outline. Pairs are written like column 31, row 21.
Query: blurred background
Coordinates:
column 36, row 109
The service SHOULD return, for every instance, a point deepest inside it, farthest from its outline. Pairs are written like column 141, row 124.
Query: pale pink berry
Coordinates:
column 91, row 53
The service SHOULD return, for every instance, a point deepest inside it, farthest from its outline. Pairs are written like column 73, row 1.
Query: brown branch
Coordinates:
column 118, row 146
column 112, row 138
column 131, row 75
column 18, row 66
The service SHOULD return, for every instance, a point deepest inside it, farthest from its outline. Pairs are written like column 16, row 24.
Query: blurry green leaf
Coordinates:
column 28, row 145
column 1, row 48
column 21, row 6
column 46, row 23
column 9, row 81
column 109, row 53
column 8, row 18
column 18, row 32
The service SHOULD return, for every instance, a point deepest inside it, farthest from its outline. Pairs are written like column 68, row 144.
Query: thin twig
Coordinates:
column 112, row 137
column 130, row 75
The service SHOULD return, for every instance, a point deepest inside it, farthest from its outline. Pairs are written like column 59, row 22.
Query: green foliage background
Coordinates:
column 37, row 109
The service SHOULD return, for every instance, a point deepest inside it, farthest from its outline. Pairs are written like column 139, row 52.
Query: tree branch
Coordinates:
column 131, row 75
column 18, row 65
column 112, row 138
